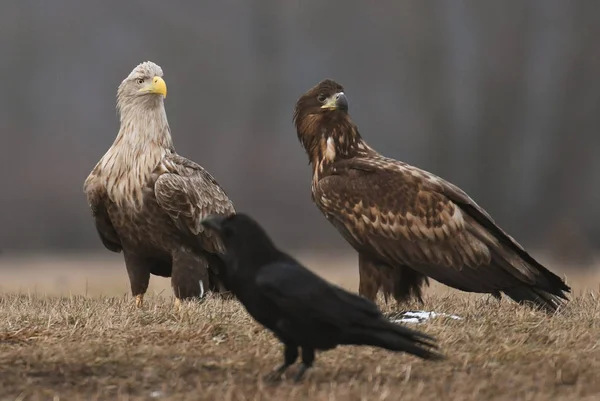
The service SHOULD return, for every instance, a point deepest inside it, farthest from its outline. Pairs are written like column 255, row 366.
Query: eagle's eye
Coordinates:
column 321, row 98
column 139, row 81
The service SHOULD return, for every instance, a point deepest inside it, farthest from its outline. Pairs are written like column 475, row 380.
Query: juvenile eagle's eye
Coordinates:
column 139, row 81
column 321, row 98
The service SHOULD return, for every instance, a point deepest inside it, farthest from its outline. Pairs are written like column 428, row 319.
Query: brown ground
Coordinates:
column 58, row 343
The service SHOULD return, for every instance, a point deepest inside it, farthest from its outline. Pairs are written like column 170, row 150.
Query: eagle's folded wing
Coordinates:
column 96, row 197
column 188, row 193
column 406, row 216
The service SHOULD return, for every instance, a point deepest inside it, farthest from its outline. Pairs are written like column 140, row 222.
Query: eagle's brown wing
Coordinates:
column 188, row 193
column 402, row 215
column 96, row 197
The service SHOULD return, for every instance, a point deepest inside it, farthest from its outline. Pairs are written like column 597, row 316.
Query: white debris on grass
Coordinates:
column 218, row 339
column 419, row 316
column 156, row 394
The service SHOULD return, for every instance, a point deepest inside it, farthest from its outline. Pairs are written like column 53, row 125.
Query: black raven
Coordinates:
column 299, row 307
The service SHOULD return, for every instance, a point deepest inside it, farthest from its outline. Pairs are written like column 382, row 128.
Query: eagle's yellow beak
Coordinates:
column 157, row 86
column 329, row 103
column 335, row 102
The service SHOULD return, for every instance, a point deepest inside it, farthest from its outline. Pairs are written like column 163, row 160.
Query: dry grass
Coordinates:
column 99, row 347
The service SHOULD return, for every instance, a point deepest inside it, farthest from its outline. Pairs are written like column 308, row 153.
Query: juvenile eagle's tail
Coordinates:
column 537, row 297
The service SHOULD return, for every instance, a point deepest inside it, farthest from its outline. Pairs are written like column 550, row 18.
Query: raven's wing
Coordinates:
column 299, row 292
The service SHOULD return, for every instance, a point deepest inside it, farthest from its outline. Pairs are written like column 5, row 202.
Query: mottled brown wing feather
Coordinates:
column 188, row 193
column 406, row 216
column 460, row 198
column 97, row 197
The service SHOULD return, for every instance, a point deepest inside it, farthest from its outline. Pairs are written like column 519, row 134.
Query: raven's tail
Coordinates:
column 382, row 333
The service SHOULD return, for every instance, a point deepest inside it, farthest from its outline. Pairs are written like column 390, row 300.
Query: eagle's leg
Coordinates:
column 177, row 303
column 189, row 277
column 369, row 284
column 308, row 357
column 408, row 284
column 401, row 282
column 139, row 276
column 290, row 355
column 216, row 271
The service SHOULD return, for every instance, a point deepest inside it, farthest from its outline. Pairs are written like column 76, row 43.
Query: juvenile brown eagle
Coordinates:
column 406, row 223
column 148, row 201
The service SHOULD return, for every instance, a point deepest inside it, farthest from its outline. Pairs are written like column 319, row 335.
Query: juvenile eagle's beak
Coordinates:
column 336, row 102
column 157, row 86
column 214, row 222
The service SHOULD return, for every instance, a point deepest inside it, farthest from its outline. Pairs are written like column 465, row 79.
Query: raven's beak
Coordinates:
column 214, row 222
column 336, row 102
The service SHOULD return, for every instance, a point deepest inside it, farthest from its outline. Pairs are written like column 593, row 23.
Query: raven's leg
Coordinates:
column 139, row 276
column 290, row 355
column 308, row 357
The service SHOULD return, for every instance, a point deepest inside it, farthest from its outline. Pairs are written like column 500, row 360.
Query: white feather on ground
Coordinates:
column 418, row 316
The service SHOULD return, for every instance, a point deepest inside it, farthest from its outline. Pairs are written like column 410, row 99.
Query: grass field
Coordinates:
column 69, row 331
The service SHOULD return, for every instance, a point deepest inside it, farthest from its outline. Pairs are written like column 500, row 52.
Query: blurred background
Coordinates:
column 501, row 98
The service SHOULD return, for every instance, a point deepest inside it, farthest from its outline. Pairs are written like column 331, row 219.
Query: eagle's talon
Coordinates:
column 139, row 300
column 177, row 304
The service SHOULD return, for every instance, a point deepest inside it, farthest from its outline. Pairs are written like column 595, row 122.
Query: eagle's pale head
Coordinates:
column 144, row 136
column 143, row 86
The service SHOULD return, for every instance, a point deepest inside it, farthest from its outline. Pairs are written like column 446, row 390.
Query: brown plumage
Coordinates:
column 148, row 201
column 406, row 223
